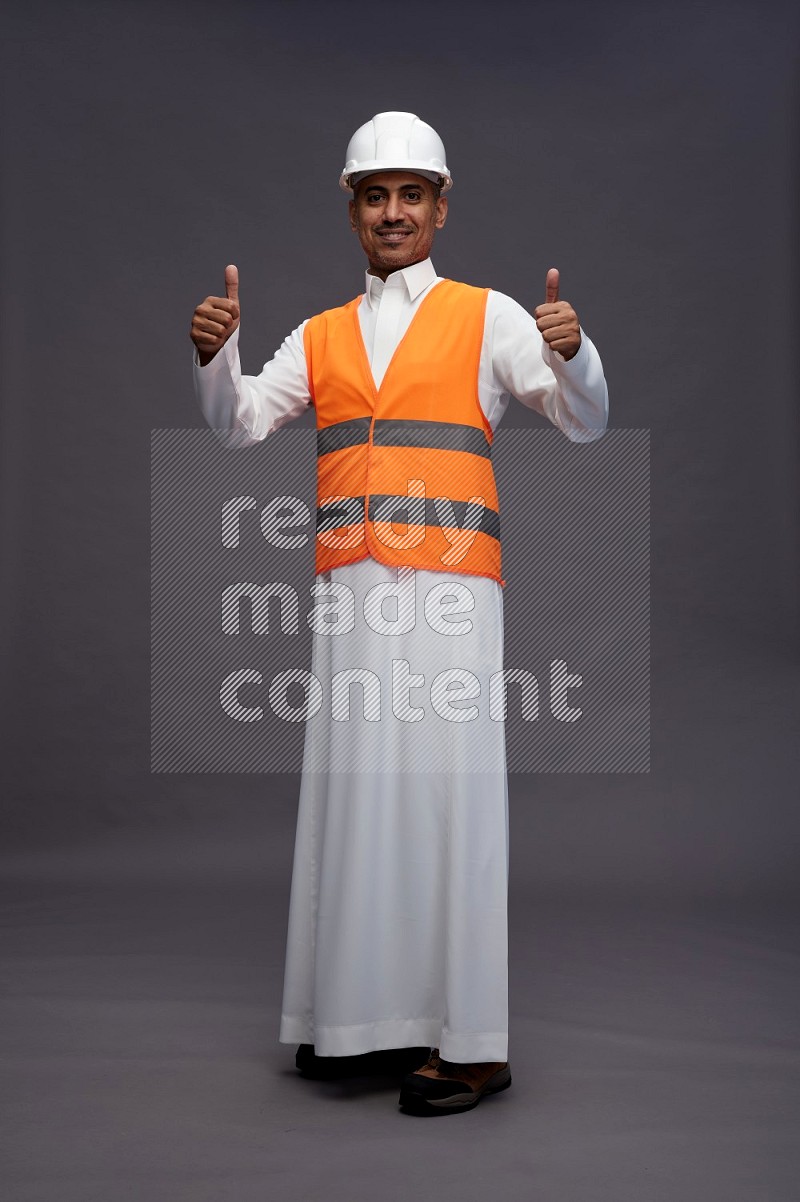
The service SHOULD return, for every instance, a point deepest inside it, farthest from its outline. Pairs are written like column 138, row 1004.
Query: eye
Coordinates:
column 413, row 194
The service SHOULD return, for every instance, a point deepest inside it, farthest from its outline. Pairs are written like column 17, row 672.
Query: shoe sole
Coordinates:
column 412, row 1102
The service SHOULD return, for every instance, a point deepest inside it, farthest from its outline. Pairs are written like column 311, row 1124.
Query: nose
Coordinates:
column 394, row 209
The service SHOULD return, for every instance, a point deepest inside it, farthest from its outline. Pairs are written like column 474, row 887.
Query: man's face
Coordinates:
column 396, row 215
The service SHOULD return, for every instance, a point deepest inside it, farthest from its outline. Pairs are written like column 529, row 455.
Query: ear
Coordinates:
column 351, row 205
column 441, row 212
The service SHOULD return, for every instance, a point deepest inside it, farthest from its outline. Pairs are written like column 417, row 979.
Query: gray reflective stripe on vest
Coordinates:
column 383, row 507
column 348, row 511
column 402, row 509
column 438, row 436
column 343, row 434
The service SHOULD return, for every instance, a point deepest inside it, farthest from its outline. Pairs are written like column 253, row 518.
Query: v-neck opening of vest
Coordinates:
column 375, row 389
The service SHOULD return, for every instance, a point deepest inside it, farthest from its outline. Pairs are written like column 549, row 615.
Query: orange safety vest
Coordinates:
column 404, row 472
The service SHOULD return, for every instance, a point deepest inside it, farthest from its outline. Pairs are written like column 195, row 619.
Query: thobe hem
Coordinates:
column 468, row 1047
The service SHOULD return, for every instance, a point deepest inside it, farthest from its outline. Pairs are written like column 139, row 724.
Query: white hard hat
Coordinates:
column 395, row 141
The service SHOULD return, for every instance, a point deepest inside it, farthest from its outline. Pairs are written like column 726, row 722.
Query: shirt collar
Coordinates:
column 415, row 279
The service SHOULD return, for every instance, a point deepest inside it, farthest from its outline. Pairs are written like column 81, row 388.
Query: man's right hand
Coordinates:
column 216, row 318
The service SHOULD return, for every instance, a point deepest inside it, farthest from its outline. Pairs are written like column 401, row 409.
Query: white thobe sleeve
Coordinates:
column 245, row 409
column 572, row 393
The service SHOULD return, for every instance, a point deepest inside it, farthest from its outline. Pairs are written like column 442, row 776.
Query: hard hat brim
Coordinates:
column 350, row 177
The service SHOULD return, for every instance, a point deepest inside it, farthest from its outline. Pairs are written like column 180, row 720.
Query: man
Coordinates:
column 397, row 926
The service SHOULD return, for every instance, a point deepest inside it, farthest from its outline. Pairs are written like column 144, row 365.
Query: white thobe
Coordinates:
column 397, row 931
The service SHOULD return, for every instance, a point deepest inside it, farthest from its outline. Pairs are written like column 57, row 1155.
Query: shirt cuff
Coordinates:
column 225, row 357
column 556, row 361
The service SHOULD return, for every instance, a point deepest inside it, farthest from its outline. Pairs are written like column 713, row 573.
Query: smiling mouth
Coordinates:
column 393, row 235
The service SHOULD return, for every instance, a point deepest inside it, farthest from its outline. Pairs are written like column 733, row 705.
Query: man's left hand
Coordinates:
column 557, row 320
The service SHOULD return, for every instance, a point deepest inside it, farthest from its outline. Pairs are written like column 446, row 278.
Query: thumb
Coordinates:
column 551, row 286
column 232, row 282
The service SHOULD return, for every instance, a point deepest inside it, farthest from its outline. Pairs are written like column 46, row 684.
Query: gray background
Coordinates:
column 650, row 154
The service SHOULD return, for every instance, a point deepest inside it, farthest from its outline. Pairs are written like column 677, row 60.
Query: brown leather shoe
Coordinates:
column 444, row 1087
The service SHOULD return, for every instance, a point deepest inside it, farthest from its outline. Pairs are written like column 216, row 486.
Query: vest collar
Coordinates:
column 414, row 280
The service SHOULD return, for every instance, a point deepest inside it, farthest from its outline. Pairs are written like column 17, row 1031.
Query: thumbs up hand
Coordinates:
column 557, row 321
column 216, row 318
